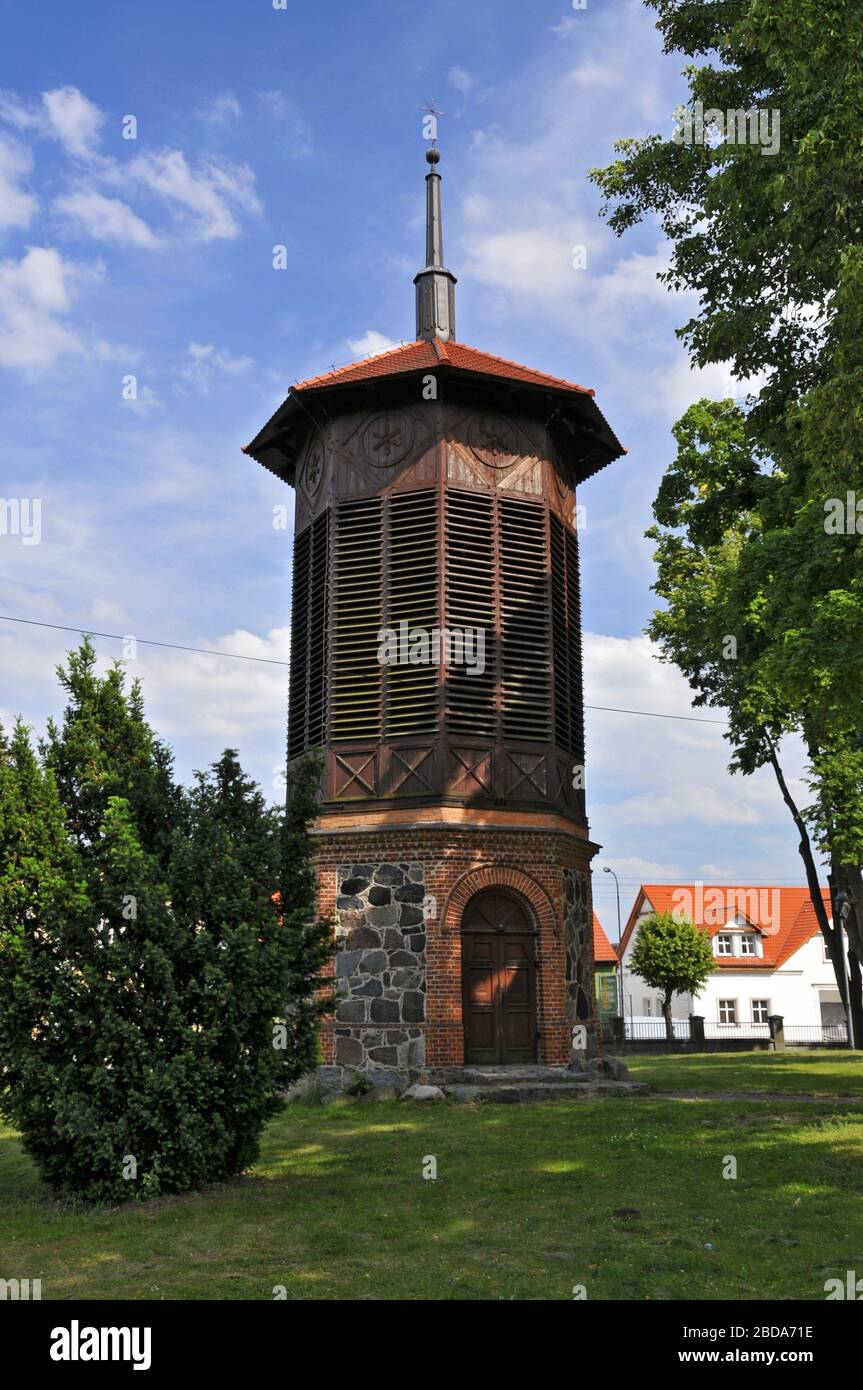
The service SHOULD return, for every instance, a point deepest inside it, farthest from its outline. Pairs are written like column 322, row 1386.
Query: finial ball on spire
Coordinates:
column 433, row 154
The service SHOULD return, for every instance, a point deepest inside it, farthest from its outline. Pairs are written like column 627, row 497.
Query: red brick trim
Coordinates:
column 498, row 876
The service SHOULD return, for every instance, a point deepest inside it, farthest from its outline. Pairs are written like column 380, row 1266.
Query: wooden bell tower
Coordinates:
column 435, row 494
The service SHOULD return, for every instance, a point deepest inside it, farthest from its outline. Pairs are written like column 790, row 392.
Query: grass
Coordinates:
column 815, row 1071
column 529, row 1201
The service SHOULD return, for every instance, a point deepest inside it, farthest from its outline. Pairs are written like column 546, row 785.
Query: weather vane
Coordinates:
column 432, row 116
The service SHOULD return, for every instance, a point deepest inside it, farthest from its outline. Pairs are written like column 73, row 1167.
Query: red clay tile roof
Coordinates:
column 602, row 947
column 414, row 357
column 785, row 917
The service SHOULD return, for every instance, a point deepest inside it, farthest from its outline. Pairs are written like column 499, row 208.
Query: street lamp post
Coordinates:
column 606, row 870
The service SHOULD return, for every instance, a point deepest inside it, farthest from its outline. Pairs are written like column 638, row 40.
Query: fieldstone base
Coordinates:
column 380, row 968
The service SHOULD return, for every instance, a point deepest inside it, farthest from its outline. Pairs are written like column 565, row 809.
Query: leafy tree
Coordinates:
column 105, row 748
column 672, row 956
column 773, row 248
column 39, row 867
column 143, row 972
column 310, row 989
column 746, row 576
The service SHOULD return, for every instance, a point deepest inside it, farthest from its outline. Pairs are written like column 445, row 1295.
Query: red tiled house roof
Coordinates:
column 603, row 951
column 784, row 917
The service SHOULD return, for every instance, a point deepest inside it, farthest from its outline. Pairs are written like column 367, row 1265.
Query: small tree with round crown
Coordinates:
column 673, row 956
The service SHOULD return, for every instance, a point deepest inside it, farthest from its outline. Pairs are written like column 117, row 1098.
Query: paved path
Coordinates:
column 790, row 1096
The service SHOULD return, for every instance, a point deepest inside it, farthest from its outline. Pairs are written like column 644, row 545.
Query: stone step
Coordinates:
column 525, row 1091
column 496, row 1076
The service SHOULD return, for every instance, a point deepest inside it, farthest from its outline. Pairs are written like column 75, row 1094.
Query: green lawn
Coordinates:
column 814, row 1070
column 527, row 1201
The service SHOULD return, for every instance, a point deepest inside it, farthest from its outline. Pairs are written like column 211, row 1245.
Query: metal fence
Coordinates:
column 836, row 1033
column 653, row 1029
column 736, row 1030
column 799, row 1035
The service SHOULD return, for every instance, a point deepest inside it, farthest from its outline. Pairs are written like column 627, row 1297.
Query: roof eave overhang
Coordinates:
column 579, row 428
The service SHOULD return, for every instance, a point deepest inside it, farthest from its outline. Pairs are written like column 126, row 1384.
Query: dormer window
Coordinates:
column 724, row 944
column 747, row 945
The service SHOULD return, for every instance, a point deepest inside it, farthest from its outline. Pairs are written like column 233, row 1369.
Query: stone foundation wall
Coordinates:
column 399, row 961
column 578, row 945
column 380, row 966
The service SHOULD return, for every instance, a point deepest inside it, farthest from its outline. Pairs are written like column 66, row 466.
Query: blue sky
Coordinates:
column 152, row 258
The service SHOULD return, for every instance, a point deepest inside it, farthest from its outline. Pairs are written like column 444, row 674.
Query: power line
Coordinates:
column 652, row 714
column 143, row 641
column 271, row 661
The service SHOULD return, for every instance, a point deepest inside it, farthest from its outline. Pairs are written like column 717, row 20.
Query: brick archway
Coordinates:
column 446, row 1036
column 475, row 880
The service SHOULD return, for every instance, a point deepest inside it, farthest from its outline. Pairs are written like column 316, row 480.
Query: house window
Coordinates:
column 727, row 1010
column 747, row 945
column 724, row 944
column 648, row 1008
column 760, row 1010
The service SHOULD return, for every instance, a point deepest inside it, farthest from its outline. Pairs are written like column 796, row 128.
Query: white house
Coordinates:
column 769, row 952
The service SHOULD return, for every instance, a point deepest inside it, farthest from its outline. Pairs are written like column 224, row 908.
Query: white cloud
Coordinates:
column 105, row 219
column 146, row 402
column 205, row 361
column 461, row 79
column 371, row 343
column 676, row 387
column 74, row 120
column 65, row 114
column 596, row 75
column 223, row 109
column 659, row 790
column 206, row 200
column 533, row 261
column 645, row 870
column 208, row 702
column 17, row 207
column 35, row 294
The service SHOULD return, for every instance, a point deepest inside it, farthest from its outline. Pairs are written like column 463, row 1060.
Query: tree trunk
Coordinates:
column 832, row 935
column 666, row 1014
column 847, row 878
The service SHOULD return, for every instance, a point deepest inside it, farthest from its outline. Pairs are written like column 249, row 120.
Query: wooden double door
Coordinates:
column 498, row 980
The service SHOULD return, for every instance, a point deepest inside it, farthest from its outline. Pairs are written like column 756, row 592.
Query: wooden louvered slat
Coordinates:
column 298, row 682
column 524, row 621
column 307, row 705
column 318, row 633
column 560, row 642
column 566, row 623
column 411, row 692
column 470, row 603
column 573, row 610
column 357, row 609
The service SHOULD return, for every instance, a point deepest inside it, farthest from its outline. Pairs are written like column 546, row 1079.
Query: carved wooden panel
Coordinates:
column 354, row 775
column 411, row 771
column 524, row 776
column 469, row 772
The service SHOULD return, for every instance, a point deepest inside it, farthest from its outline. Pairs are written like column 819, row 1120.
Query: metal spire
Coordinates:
column 435, row 284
